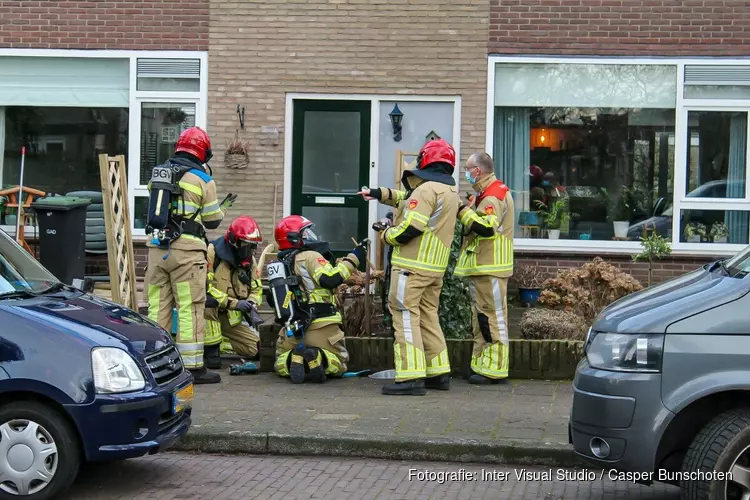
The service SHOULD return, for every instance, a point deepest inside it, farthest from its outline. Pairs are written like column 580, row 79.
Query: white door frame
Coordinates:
column 375, row 101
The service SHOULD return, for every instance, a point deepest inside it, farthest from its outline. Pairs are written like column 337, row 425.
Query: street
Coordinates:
column 202, row 477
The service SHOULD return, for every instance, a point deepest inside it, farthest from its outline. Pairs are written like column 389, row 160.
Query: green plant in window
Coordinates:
column 719, row 231
column 655, row 247
column 174, row 116
column 695, row 229
column 556, row 214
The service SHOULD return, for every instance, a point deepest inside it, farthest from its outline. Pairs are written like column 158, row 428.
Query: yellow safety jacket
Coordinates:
column 311, row 266
column 225, row 286
column 493, row 209
column 430, row 210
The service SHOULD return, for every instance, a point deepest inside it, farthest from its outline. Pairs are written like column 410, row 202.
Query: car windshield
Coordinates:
column 19, row 271
column 739, row 265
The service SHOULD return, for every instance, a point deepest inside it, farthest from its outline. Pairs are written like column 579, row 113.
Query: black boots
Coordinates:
column 439, row 382
column 203, row 376
column 314, row 359
column 212, row 357
column 478, row 379
column 408, row 388
column 297, row 367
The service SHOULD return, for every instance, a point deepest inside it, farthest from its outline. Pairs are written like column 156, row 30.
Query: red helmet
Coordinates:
column 195, row 141
column 436, row 151
column 243, row 229
column 291, row 232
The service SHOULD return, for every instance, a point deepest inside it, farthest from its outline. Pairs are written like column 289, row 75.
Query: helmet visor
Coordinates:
column 308, row 234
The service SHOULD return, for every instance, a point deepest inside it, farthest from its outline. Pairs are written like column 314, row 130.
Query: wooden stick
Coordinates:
column 275, row 201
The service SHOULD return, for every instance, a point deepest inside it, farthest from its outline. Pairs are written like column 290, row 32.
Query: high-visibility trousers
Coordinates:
column 490, row 319
column 328, row 338
column 179, row 280
column 419, row 348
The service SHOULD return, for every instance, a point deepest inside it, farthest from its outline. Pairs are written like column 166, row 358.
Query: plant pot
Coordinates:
column 529, row 296
column 621, row 228
column 720, row 239
column 694, row 239
column 554, row 234
column 10, row 219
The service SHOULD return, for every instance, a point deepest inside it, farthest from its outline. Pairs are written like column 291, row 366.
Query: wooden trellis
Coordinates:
column 113, row 173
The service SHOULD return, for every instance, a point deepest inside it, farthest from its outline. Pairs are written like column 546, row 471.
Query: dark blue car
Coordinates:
column 81, row 378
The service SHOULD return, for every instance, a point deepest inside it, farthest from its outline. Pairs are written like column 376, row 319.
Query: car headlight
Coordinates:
column 626, row 352
column 115, row 371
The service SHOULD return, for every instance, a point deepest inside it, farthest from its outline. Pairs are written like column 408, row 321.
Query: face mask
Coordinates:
column 468, row 177
column 244, row 253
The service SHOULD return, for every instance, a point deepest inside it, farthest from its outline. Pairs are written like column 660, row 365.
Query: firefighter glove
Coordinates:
column 244, row 306
column 228, row 201
column 360, row 252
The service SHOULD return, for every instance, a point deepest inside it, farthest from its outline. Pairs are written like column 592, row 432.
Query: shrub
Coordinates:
column 588, row 289
column 528, row 277
column 550, row 324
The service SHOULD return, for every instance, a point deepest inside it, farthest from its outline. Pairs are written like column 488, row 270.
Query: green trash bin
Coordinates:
column 62, row 235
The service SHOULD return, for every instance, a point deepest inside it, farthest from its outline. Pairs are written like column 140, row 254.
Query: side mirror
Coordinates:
column 85, row 285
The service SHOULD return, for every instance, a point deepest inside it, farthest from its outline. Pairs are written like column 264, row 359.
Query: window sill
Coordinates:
column 620, row 247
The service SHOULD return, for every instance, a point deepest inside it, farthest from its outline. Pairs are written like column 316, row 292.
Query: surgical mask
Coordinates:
column 468, row 177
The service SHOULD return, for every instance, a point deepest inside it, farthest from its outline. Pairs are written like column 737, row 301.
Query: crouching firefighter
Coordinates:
column 487, row 260
column 302, row 284
column 182, row 204
column 234, row 292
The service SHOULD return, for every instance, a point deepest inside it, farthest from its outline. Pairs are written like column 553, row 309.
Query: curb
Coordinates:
column 381, row 447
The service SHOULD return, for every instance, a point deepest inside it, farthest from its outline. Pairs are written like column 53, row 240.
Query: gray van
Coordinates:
column 663, row 393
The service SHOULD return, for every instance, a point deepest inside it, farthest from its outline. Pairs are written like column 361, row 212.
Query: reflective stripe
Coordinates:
column 281, row 364
column 192, row 188
column 192, row 355
column 334, row 364
column 501, row 258
column 415, row 362
column 492, row 362
column 210, row 209
column 497, row 296
column 439, row 364
column 213, row 333
column 405, row 313
column 153, row 302
column 185, row 331
column 235, row 317
column 414, row 219
column 221, row 297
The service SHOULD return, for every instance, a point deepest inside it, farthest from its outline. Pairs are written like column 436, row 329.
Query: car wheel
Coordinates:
column 722, row 446
column 39, row 453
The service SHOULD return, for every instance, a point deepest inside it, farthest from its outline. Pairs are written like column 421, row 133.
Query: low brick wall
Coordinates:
column 547, row 359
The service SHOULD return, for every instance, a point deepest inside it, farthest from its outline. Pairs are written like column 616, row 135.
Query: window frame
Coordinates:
column 679, row 202
column 136, row 97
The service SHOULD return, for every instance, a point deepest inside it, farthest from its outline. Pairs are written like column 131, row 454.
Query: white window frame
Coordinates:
column 136, row 97
column 679, row 202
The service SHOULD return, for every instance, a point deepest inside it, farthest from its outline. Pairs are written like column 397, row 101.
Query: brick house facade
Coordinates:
column 692, row 35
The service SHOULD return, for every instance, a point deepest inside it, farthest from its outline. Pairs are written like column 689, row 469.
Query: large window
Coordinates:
column 62, row 146
column 588, row 150
column 597, row 152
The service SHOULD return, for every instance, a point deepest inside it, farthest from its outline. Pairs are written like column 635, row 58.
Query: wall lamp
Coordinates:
column 396, row 118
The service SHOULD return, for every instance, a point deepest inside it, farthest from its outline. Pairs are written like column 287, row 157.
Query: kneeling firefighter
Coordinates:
column 301, row 288
column 234, row 292
column 182, row 205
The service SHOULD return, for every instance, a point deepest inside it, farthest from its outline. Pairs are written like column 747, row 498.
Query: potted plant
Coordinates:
column 719, row 232
column 695, row 232
column 174, row 116
column 236, row 155
column 655, row 247
column 620, row 212
column 554, row 216
column 529, row 281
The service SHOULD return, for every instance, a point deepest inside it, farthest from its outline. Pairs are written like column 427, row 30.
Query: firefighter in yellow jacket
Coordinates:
column 182, row 205
column 487, row 260
column 321, row 351
column 421, row 238
column 234, row 292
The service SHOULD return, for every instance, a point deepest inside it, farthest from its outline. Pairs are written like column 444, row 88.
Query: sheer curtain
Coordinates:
column 512, row 153
column 737, row 222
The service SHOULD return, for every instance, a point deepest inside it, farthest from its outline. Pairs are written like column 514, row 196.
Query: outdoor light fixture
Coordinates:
column 396, row 117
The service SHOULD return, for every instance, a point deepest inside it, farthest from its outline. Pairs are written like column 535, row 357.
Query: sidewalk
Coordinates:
column 524, row 422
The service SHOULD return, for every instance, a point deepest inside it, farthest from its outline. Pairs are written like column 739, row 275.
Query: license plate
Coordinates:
column 161, row 174
column 183, row 399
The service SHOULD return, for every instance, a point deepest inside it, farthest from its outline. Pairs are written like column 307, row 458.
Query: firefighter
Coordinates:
column 234, row 292
column 321, row 351
column 487, row 260
column 421, row 238
column 182, row 205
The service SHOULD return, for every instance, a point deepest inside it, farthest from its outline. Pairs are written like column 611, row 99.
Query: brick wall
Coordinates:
column 621, row 27
column 95, row 24
column 662, row 270
column 259, row 51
